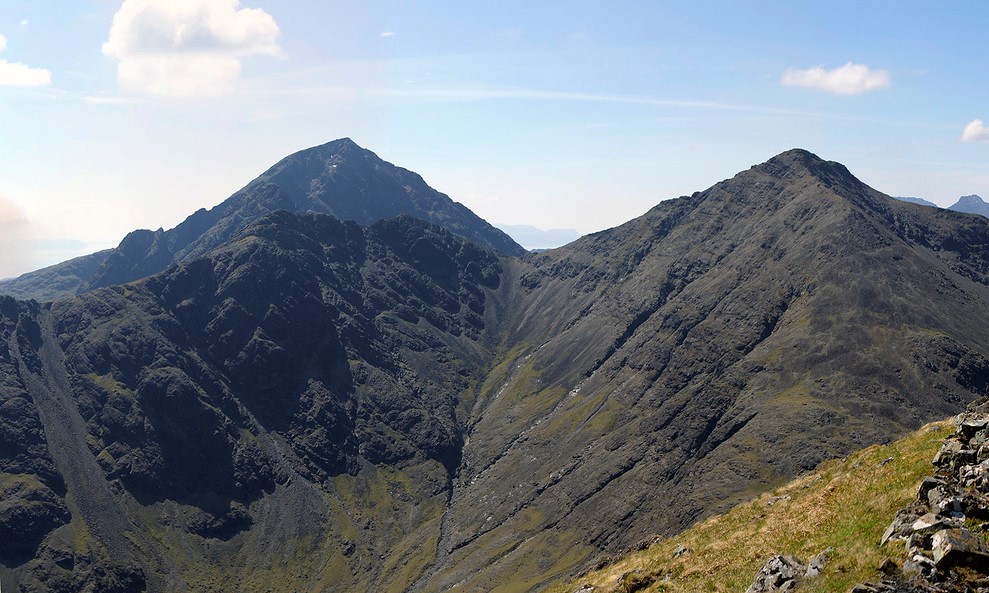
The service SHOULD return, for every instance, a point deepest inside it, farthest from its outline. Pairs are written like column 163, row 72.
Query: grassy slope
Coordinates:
column 844, row 504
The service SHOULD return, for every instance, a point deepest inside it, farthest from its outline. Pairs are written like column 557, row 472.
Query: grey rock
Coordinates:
column 931, row 522
column 959, row 547
column 929, row 483
column 815, row 566
column 780, row 573
column 912, row 568
column 777, row 499
column 900, row 528
column 972, row 424
column 954, row 454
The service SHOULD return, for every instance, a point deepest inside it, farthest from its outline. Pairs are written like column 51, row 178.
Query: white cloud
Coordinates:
column 12, row 74
column 975, row 131
column 24, row 23
column 187, row 48
column 850, row 79
column 387, row 34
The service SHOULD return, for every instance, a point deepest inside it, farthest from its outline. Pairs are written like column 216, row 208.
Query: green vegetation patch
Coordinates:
column 843, row 504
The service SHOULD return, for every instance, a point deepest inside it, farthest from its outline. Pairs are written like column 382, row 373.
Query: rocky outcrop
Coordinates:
column 945, row 531
column 783, row 573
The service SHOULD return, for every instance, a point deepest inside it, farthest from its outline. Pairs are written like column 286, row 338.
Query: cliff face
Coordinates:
column 313, row 405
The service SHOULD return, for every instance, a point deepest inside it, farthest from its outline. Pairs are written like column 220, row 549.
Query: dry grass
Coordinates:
column 844, row 505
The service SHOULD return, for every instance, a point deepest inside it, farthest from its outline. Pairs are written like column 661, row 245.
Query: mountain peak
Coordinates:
column 971, row 199
column 972, row 204
column 799, row 160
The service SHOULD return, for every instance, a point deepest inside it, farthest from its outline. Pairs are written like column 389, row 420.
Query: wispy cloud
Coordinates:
column 187, row 48
column 850, row 79
column 3, row 43
column 975, row 131
column 387, row 34
column 463, row 94
column 111, row 100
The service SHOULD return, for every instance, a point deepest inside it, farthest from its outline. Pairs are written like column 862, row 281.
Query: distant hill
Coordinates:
column 534, row 238
column 338, row 178
column 59, row 280
column 920, row 201
column 972, row 204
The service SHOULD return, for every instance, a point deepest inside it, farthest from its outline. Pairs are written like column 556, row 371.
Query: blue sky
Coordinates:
column 120, row 115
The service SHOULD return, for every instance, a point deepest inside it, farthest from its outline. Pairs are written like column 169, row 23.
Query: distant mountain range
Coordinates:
column 920, row 201
column 972, row 204
column 295, row 402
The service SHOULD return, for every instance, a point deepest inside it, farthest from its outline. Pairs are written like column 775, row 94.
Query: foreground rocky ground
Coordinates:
column 946, row 530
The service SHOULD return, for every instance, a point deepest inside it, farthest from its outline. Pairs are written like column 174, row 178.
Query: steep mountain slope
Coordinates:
column 317, row 406
column 278, row 414
column 721, row 343
column 843, row 506
column 338, row 178
column 972, row 204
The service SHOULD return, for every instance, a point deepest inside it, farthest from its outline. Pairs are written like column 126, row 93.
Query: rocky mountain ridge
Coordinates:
column 313, row 405
column 338, row 178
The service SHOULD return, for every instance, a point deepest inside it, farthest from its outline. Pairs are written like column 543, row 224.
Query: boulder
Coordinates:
column 929, row 483
column 901, row 527
column 959, row 547
column 780, row 573
column 971, row 424
column 954, row 454
column 816, row 564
